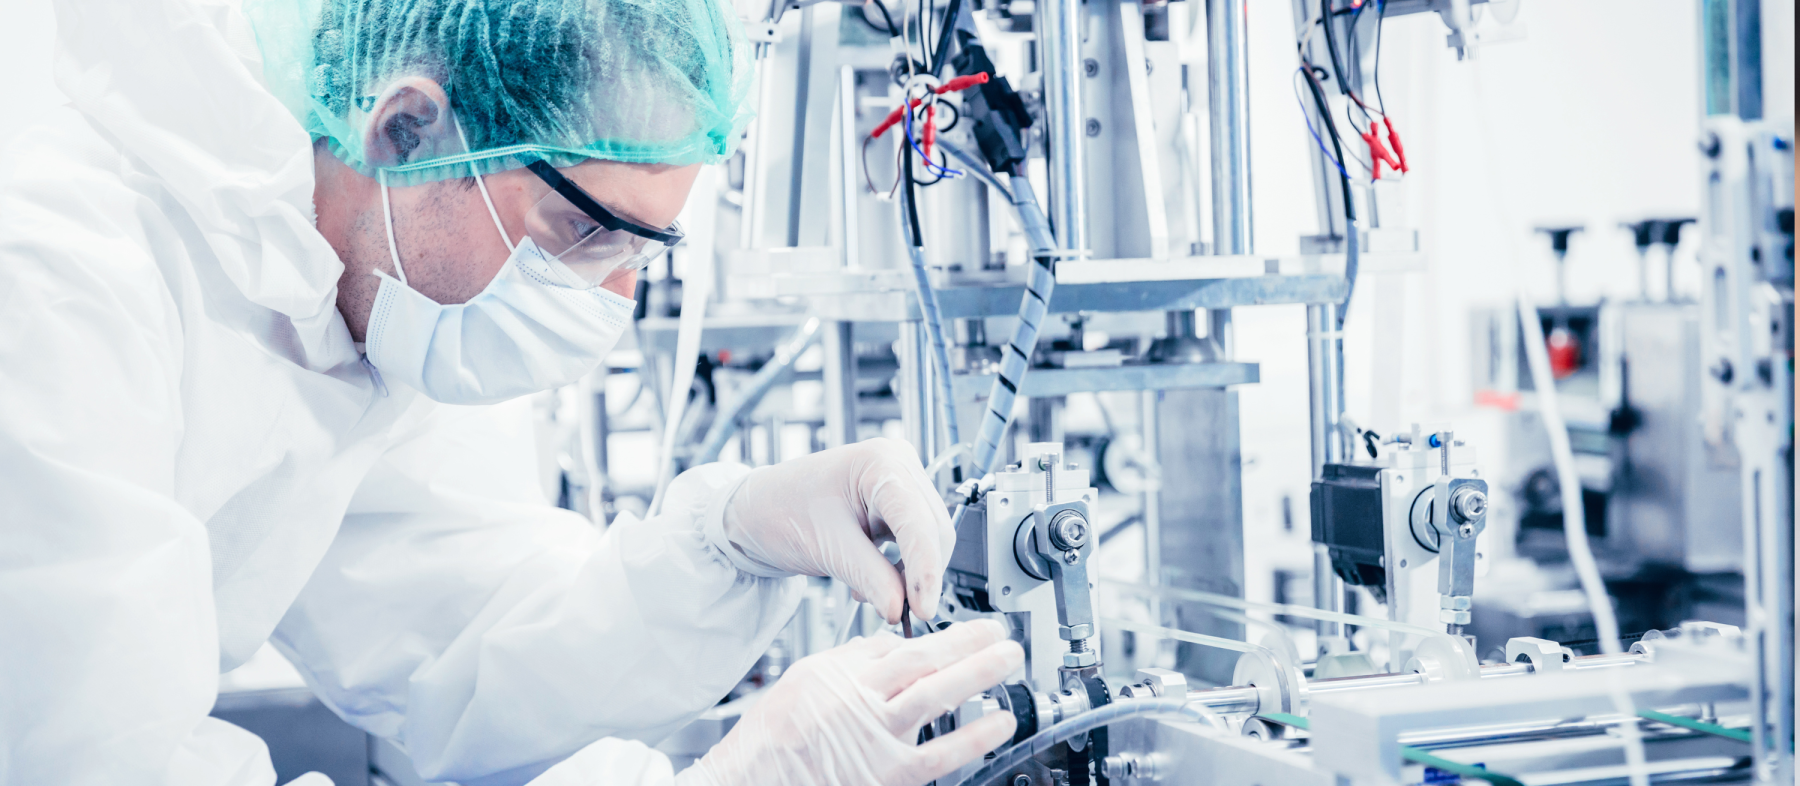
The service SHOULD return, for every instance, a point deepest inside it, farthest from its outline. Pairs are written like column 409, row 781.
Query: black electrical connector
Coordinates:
column 998, row 111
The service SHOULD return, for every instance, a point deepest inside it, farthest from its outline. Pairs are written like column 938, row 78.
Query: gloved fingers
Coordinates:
column 947, row 689
column 871, row 577
column 901, row 499
column 873, row 647
column 942, row 756
column 925, row 655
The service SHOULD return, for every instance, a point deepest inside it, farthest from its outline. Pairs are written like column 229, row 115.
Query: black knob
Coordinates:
column 1645, row 232
column 1669, row 230
column 1559, row 237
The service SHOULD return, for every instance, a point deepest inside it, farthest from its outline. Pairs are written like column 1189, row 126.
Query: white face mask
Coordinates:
column 536, row 326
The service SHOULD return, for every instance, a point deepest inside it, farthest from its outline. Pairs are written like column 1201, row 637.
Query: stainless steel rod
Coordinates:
column 1059, row 38
column 1243, row 698
column 1370, row 682
column 1325, row 382
column 1228, row 96
column 1225, row 700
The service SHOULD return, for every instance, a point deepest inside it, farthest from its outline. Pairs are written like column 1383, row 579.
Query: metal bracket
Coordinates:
column 1543, row 655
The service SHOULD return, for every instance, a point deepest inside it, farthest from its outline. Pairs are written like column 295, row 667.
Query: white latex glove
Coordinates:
column 851, row 715
column 824, row 514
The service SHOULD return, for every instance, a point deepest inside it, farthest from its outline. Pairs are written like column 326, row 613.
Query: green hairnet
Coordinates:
column 642, row 81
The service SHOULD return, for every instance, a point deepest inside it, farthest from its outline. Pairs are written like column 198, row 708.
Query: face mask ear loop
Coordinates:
column 482, row 184
column 388, row 213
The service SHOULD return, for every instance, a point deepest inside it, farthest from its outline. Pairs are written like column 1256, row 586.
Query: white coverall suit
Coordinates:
column 195, row 459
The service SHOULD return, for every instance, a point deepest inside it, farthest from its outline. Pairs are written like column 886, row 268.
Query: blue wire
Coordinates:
column 1315, row 134
column 929, row 164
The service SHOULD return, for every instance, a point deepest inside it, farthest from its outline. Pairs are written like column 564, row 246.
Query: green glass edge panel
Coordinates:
column 1741, row 735
column 1412, row 754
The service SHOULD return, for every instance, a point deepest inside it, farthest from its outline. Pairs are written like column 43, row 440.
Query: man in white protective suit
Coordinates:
column 248, row 276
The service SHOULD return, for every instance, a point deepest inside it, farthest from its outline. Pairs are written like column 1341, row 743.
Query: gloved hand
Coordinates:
column 823, row 515
column 851, row 715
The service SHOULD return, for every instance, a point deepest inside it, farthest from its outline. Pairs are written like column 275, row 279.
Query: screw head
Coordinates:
column 1091, row 67
column 1021, row 780
column 1468, row 503
column 1093, row 127
column 1466, row 531
column 1069, row 531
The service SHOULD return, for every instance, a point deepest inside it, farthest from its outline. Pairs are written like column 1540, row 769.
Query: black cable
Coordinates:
column 942, row 55
column 912, row 201
column 955, row 117
column 1337, row 62
column 893, row 32
column 1380, row 16
column 925, row 35
column 1312, row 82
column 1355, row 50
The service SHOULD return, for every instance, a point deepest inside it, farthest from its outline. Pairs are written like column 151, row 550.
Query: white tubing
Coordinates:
column 1581, row 555
column 943, row 460
column 687, row 354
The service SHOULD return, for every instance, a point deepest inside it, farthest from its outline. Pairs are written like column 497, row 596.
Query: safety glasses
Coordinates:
column 572, row 226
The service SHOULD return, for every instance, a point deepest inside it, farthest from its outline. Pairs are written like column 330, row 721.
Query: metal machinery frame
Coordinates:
column 1142, row 157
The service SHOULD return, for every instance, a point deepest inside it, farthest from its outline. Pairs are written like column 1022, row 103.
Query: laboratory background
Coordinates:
column 1274, row 358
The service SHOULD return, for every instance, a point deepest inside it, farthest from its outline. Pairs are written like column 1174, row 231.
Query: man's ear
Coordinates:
column 410, row 121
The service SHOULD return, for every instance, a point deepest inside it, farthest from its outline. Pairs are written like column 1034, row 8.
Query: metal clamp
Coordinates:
column 1543, row 655
column 1442, row 658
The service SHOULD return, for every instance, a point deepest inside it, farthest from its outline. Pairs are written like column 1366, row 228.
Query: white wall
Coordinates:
column 26, row 40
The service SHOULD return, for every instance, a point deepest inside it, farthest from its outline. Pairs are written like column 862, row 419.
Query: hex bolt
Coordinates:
column 1069, row 531
column 1468, row 503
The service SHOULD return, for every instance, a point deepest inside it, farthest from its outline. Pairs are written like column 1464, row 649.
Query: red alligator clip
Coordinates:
column 1378, row 153
column 957, row 84
column 929, row 135
column 1394, row 139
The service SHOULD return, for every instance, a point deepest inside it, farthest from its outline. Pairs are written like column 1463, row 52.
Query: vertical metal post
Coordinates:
column 838, row 342
column 777, row 424
column 1325, row 381
column 914, row 392
column 840, row 384
column 802, row 75
column 1228, row 100
column 848, row 187
column 1221, row 333
column 1059, row 38
column 1152, row 499
column 1228, row 94
column 1137, row 79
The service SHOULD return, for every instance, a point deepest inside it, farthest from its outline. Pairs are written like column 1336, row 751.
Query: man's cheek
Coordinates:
column 623, row 284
